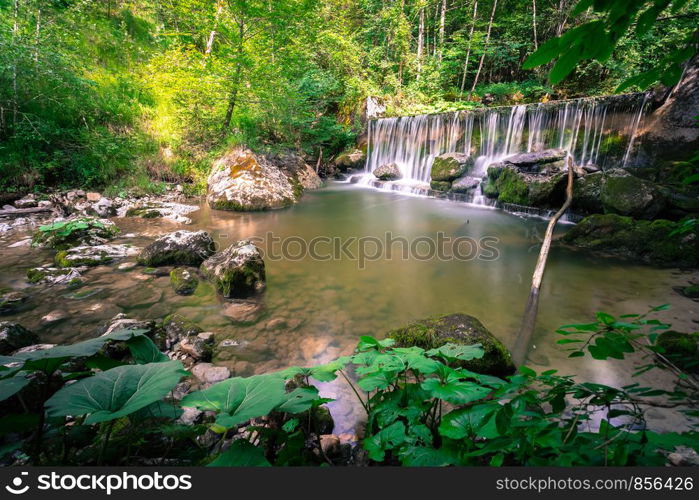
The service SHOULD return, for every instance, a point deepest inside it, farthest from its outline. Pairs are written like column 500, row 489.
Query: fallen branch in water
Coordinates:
column 526, row 329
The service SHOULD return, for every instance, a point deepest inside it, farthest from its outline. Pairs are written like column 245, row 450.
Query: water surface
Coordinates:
column 314, row 311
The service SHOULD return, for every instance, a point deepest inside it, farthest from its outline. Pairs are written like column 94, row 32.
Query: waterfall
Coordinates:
column 595, row 131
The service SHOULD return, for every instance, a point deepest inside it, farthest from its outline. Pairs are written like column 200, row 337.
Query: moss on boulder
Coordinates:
column 185, row 248
column 691, row 291
column 460, row 329
column 388, row 172
column 653, row 242
column 624, row 194
column 450, row 166
column 238, row 271
column 350, row 159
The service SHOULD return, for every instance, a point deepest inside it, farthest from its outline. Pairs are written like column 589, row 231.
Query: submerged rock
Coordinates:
column 183, row 281
column 458, row 329
column 238, row 271
column 388, row 172
column 193, row 348
column 11, row 300
column 14, row 336
column 243, row 311
column 210, row 374
column 653, row 242
column 450, row 166
column 93, row 255
column 243, row 181
column 186, row 248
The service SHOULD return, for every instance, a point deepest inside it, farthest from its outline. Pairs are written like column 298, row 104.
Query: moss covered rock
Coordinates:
column 69, row 276
column 450, row 166
column 183, row 281
column 587, row 193
column 92, row 255
column 66, row 233
column 680, row 349
column 653, row 242
column 350, row 159
column 186, row 248
column 625, row 194
column 238, row 271
column 458, row 329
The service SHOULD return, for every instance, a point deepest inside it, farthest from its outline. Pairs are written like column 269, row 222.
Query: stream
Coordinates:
column 314, row 310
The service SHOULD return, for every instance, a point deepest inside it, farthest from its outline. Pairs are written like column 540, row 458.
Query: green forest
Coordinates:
column 131, row 93
column 212, row 211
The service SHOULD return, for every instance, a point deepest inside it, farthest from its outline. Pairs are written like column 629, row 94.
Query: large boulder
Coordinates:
column 238, row 271
column 388, row 172
column 353, row 159
column 460, row 329
column 14, row 336
column 625, row 194
column 587, row 193
column 509, row 184
column 243, row 181
column 659, row 242
column 450, row 166
column 186, row 248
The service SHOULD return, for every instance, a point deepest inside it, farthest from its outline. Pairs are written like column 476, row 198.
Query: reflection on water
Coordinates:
column 314, row 311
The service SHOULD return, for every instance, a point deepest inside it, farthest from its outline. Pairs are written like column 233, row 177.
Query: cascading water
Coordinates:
column 595, row 131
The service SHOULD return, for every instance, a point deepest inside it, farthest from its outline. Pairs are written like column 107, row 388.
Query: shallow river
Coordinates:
column 315, row 308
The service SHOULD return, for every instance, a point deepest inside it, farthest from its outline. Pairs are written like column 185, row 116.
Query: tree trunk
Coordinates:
column 470, row 42
column 212, row 35
column 526, row 330
column 442, row 24
column 536, row 42
column 15, row 41
column 420, row 41
column 233, row 98
column 485, row 47
column 37, row 36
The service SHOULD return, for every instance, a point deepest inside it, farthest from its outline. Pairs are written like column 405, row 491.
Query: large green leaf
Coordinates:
column 241, row 454
column 144, row 351
column 48, row 360
column 117, row 392
column 455, row 392
column 300, row 400
column 465, row 422
column 11, row 386
column 386, row 439
column 240, row 399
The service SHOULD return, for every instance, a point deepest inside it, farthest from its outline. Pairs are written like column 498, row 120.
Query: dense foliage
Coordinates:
column 135, row 92
column 111, row 400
